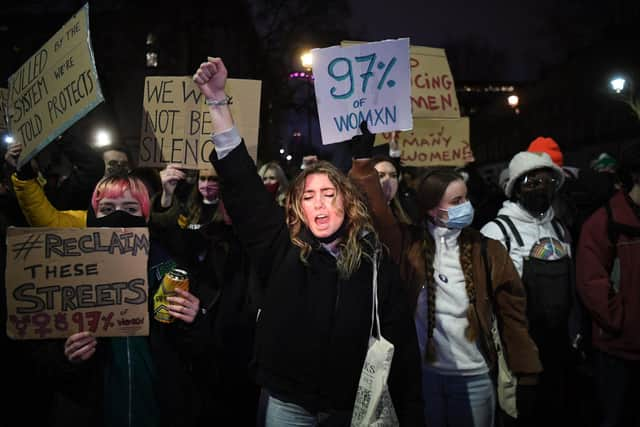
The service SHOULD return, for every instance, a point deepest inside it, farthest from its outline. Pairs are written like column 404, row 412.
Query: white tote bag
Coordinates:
column 507, row 383
column 373, row 405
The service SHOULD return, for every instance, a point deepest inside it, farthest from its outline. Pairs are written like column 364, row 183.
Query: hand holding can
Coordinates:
column 173, row 280
column 184, row 306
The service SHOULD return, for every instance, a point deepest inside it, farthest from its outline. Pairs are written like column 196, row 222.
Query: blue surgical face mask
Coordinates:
column 460, row 216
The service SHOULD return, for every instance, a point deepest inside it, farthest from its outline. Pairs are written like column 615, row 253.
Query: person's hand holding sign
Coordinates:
column 184, row 307
column 80, row 346
column 12, row 154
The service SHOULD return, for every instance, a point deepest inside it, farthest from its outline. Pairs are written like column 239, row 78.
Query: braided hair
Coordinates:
column 431, row 189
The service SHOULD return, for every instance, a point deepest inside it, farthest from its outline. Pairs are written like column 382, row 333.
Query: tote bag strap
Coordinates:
column 375, row 318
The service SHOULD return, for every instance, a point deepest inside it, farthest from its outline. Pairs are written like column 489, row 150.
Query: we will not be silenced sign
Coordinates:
column 60, row 281
column 177, row 125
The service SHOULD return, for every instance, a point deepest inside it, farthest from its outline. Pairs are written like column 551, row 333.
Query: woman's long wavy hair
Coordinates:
column 355, row 214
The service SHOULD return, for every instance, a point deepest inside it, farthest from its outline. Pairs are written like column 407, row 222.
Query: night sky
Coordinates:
column 530, row 34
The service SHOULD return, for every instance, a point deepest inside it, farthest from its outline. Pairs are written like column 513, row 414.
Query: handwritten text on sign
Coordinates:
column 177, row 126
column 4, row 111
column 60, row 281
column 56, row 87
column 365, row 82
column 433, row 143
column 433, row 92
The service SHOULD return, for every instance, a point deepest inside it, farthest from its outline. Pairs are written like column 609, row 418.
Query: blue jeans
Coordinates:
column 287, row 414
column 457, row 400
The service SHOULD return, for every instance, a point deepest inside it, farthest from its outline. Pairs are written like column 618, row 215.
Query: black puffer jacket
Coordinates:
column 313, row 330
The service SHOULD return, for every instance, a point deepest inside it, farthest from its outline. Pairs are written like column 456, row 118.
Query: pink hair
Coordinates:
column 115, row 186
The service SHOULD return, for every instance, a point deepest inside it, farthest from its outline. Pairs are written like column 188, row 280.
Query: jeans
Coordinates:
column 287, row 414
column 617, row 381
column 458, row 400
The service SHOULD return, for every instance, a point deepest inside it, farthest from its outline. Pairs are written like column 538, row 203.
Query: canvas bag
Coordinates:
column 373, row 405
column 506, row 383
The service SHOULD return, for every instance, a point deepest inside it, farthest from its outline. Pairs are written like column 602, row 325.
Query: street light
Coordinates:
column 514, row 101
column 618, row 84
column 624, row 91
column 307, row 60
column 103, row 138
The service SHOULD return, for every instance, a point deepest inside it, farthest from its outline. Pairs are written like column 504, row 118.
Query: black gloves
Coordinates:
column 26, row 172
column 362, row 145
column 526, row 396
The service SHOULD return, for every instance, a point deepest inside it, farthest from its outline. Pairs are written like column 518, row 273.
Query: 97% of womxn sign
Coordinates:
column 365, row 82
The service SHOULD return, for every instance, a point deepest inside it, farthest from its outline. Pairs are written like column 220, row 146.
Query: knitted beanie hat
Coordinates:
column 547, row 145
column 604, row 163
column 525, row 162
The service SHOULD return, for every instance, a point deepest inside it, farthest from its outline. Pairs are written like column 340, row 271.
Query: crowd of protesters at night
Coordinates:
column 277, row 321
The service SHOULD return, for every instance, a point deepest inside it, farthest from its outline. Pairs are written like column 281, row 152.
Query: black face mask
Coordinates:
column 116, row 219
column 537, row 201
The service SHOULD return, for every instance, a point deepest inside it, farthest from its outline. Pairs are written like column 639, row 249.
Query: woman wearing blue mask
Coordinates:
column 442, row 266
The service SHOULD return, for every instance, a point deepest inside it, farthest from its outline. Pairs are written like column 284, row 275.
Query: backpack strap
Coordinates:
column 561, row 231
column 513, row 229
column 507, row 239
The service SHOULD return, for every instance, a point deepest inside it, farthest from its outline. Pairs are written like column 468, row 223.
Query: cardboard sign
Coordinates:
column 433, row 92
column 4, row 110
column 364, row 82
column 433, row 143
column 60, row 281
column 55, row 88
column 177, row 126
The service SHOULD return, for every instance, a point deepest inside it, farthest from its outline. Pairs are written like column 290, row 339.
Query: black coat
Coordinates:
column 312, row 333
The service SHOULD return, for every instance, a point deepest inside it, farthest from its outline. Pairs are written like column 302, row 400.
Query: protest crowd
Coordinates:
column 331, row 296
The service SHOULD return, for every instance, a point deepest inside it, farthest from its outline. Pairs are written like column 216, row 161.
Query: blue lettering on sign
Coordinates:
column 373, row 117
column 341, row 77
column 348, row 74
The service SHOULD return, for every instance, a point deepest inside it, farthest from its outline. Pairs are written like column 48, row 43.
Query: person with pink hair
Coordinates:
column 114, row 381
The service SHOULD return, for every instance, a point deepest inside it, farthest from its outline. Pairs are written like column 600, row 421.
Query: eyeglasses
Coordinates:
column 115, row 163
column 538, row 181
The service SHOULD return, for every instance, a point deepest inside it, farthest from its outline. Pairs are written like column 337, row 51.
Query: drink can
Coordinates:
column 174, row 279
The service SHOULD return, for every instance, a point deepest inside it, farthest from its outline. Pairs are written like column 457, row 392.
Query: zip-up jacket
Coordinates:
column 313, row 331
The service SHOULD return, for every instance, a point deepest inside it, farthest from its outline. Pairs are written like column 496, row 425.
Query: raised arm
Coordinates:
column 365, row 176
column 35, row 206
column 257, row 218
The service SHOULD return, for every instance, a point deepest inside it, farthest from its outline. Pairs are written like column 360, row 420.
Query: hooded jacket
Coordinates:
column 616, row 315
column 313, row 330
column 531, row 230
